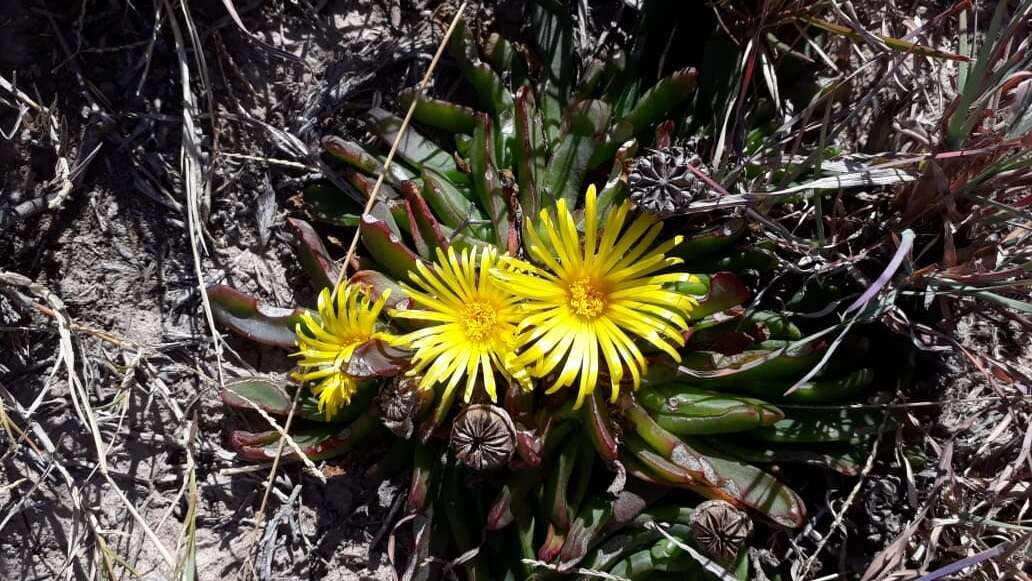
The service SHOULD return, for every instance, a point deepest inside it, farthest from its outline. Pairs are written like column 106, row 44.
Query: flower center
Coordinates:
column 478, row 321
column 587, row 300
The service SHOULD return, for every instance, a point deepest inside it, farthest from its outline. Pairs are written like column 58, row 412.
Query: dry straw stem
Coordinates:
column 194, row 184
column 81, row 402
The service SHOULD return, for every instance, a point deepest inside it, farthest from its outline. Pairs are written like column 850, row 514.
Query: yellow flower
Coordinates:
column 474, row 330
column 590, row 297
column 327, row 341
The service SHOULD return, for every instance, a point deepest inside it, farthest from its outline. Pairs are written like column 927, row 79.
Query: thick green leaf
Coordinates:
column 737, row 260
column 387, row 207
column 452, row 208
column 815, row 391
column 748, row 486
column 620, row 548
column 553, row 42
column 603, row 515
column 528, row 152
column 424, row 467
column 268, row 395
column 326, row 203
column 460, row 507
column 504, row 58
column 684, row 410
column 317, row 442
column 689, row 464
column 830, row 424
column 245, row 316
column 320, row 268
column 438, row 114
column 423, row 219
column 599, row 426
column 717, row 371
column 658, row 102
column 386, row 248
column 556, row 497
column 711, row 240
column 272, row 397
column 415, row 149
column 614, row 191
column 487, row 184
column 567, row 167
column 847, row 461
column 725, row 290
column 653, row 106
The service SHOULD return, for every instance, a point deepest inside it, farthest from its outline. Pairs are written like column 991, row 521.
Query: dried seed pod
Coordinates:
column 483, row 437
column 720, row 529
column 660, row 182
column 401, row 403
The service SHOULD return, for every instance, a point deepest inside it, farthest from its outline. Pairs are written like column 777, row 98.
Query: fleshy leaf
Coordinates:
column 569, row 162
column 317, row 442
column 528, row 151
column 710, row 240
column 376, row 283
column 487, row 185
column 357, row 157
column 453, row 208
column 813, row 392
column 267, row 394
column 736, row 260
column 715, row 371
column 553, row 42
column 652, row 106
column 830, row 424
column 415, row 149
column 683, row 409
column 748, row 486
column 725, row 291
column 245, row 316
column 272, row 397
column 846, row 461
column 423, row 219
column 377, row 359
column 437, row 113
column 320, row 268
column 326, row 203
column 386, row 248
column 599, row 427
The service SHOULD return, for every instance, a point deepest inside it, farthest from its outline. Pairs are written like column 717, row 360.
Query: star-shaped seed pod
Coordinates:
column 720, row 529
column 660, row 182
column 483, row 437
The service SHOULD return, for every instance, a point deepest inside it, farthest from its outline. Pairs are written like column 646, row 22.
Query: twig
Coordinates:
column 260, row 516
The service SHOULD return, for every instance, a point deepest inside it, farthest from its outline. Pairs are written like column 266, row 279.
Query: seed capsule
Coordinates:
column 401, row 403
column 483, row 437
column 720, row 529
column 661, row 183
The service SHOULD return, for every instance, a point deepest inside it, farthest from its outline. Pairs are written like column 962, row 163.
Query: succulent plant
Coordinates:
column 597, row 376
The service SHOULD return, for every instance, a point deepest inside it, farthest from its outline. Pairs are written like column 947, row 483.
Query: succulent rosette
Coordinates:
column 610, row 373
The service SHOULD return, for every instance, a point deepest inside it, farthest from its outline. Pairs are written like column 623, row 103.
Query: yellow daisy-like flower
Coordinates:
column 591, row 296
column 474, row 330
column 327, row 341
